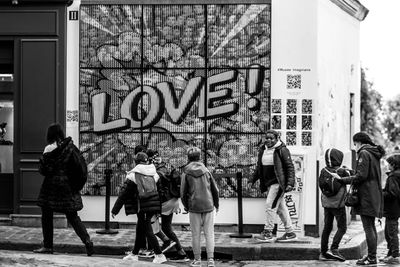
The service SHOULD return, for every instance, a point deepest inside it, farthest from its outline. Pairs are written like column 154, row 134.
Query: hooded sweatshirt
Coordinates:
column 199, row 192
column 333, row 161
column 391, row 195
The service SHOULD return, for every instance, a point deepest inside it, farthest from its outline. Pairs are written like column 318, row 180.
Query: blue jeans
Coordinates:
column 370, row 234
column 329, row 215
column 143, row 231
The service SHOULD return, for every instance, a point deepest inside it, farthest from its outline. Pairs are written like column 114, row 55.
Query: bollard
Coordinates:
column 107, row 230
column 240, row 234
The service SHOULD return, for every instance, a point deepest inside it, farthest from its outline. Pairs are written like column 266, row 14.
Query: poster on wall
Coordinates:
column 169, row 77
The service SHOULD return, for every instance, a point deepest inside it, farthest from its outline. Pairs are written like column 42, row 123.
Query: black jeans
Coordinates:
column 74, row 221
column 329, row 214
column 391, row 236
column 370, row 234
column 166, row 226
column 145, row 231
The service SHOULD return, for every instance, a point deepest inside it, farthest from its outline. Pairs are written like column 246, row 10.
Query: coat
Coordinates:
column 283, row 166
column 367, row 179
column 391, row 195
column 57, row 192
column 199, row 192
column 127, row 197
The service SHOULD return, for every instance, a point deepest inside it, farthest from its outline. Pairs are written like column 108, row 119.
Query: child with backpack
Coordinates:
column 169, row 190
column 332, row 199
column 391, row 209
column 139, row 195
column 199, row 195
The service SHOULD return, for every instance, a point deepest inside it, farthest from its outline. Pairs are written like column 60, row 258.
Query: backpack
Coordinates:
column 328, row 183
column 175, row 183
column 146, row 186
column 77, row 173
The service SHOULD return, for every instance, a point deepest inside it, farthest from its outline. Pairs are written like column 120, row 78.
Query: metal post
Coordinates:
column 107, row 230
column 240, row 234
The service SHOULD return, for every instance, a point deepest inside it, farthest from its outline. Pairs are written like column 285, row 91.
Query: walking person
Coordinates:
column 199, row 195
column 139, row 195
column 275, row 170
column 332, row 199
column 367, row 179
column 65, row 173
column 169, row 189
column 391, row 210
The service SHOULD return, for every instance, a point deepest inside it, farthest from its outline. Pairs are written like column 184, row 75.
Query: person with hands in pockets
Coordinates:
column 199, row 195
column 275, row 170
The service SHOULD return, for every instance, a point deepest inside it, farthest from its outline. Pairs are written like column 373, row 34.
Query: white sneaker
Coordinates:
column 160, row 258
column 131, row 257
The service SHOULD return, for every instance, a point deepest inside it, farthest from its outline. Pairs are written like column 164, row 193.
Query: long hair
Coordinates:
column 55, row 133
column 363, row 138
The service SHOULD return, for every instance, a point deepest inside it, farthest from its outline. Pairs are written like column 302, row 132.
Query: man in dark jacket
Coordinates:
column 391, row 210
column 275, row 171
column 367, row 180
column 199, row 195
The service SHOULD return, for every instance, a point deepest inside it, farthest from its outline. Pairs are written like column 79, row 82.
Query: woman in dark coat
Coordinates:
column 58, row 192
column 367, row 179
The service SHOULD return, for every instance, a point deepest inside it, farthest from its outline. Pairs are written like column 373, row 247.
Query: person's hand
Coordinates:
column 288, row 188
column 216, row 211
column 177, row 210
column 113, row 215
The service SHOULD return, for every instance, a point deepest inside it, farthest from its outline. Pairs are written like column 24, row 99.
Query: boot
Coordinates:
column 89, row 248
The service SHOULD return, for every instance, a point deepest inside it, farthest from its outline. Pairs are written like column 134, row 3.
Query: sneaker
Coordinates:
column 265, row 236
column 391, row 260
column 159, row 258
column 324, row 257
column 196, row 263
column 384, row 258
column 43, row 250
column 167, row 245
column 334, row 254
column 89, row 248
column 366, row 261
column 131, row 257
column 210, row 262
column 287, row 237
column 144, row 253
column 179, row 258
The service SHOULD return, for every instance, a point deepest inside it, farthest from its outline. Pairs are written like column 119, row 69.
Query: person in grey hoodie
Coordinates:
column 199, row 195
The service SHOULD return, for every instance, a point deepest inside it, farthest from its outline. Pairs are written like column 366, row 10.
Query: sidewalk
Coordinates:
column 353, row 244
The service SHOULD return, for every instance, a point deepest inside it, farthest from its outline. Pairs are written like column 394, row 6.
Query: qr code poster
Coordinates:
column 293, row 81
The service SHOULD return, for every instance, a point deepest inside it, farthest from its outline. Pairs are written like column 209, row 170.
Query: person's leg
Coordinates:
column 76, row 223
column 208, row 226
column 47, row 227
column 195, row 226
column 393, row 241
column 271, row 206
column 283, row 212
column 370, row 235
column 328, row 225
column 340, row 215
column 140, row 239
column 387, row 238
column 166, row 226
column 151, row 238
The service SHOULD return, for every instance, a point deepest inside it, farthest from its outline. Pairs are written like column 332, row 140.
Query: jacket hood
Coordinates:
column 377, row 151
column 196, row 169
column 395, row 174
column 333, row 157
column 145, row 169
column 54, row 151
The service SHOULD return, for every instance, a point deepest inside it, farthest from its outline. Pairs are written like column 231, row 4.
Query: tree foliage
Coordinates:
column 391, row 120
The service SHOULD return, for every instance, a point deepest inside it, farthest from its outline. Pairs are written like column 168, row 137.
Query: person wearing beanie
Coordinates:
column 391, row 209
column 367, row 179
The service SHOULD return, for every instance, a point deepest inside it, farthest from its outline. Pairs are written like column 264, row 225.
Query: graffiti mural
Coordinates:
column 172, row 76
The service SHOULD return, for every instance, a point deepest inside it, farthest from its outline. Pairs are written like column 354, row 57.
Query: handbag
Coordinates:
column 351, row 198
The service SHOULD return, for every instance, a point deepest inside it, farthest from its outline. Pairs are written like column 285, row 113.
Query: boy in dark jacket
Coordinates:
column 199, row 194
column 391, row 209
column 333, row 205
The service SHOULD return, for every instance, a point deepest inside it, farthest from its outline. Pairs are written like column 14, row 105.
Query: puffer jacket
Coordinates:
column 283, row 166
column 127, row 197
column 391, row 195
column 199, row 192
column 56, row 192
column 333, row 160
column 367, row 179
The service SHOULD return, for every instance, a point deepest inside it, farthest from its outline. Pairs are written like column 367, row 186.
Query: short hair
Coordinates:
column 55, row 133
column 151, row 152
column 363, row 138
column 394, row 160
column 140, row 148
column 193, row 153
column 141, row 157
column 272, row 132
